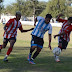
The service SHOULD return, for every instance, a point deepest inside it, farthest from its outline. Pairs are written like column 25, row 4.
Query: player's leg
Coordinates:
column 60, row 41
column 33, row 46
column 40, row 43
column 36, row 53
column 30, row 53
column 62, row 45
column 12, row 42
column 5, row 41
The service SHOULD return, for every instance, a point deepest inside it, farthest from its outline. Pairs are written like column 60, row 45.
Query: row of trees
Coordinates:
column 1, row 5
column 30, row 7
column 27, row 7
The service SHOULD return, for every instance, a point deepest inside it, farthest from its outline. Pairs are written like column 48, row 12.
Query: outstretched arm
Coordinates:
column 57, row 19
column 27, row 30
column 63, row 33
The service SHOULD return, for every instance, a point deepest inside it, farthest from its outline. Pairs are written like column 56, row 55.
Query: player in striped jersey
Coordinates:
column 64, row 34
column 37, row 41
column 10, row 33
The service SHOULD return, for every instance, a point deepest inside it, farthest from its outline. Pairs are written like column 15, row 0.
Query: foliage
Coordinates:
column 27, row 7
column 1, row 5
column 55, row 7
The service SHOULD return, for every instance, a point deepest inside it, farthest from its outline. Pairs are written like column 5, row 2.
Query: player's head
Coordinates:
column 48, row 18
column 18, row 15
column 69, row 20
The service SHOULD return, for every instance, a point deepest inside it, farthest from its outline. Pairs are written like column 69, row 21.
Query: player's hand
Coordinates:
column 50, row 47
column 54, row 36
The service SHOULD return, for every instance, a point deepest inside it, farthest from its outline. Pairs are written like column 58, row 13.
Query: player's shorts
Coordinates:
column 36, row 41
column 6, row 40
column 64, row 43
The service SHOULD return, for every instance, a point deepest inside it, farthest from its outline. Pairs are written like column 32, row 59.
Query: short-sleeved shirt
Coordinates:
column 65, row 28
column 12, row 26
column 41, row 28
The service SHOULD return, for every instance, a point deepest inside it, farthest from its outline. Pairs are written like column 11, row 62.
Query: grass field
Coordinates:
column 44, row 62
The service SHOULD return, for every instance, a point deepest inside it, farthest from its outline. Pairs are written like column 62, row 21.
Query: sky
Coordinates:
column 8, row 2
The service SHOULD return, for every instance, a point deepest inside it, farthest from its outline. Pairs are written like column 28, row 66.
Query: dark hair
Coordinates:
column 48, row 16
column 70, row 19
column 18, row 13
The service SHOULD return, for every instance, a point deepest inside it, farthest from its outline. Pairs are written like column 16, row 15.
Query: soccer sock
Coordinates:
column 6, row 56
column 35, row 55
column 9, row 51
column 0, row 46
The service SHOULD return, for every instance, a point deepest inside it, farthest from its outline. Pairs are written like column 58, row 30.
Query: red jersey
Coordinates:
column 64, row 28
column 12, row 26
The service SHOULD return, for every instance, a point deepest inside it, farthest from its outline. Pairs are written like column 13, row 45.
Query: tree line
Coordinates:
column 30, row 7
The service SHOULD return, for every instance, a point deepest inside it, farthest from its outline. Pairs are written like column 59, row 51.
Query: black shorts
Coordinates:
column 6, row 40
column 64, row 43
column 36, row 41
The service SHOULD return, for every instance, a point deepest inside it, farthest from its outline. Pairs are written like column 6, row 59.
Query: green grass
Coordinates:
column 44, row 62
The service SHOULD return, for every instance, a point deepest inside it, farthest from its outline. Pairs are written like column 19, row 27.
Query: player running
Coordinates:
column 10, row 33
column 64, row 34
column 37, row 41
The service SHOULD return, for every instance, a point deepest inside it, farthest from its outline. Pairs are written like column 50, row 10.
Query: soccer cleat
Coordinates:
column 31, row 62
column 5, row 59
column 29, row 57
column 57, row 60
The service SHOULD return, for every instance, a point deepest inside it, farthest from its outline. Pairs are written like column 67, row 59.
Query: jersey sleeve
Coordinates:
column 69, row 29
column 61, row 20
column 50, row 30
column 9, row 22
column 39, row 18
column 20, row 27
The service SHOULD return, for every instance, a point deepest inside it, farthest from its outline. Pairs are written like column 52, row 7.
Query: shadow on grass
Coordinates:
column 44, row 62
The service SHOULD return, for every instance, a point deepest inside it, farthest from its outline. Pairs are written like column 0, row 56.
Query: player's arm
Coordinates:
column 27, row 30
column 35, row 21
column 50, row 41
column 22, row 30
column 50, row 37
column 63, row 33
column 59, row 19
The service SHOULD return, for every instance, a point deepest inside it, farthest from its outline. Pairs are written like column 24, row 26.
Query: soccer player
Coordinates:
column 37, row 41
column 10, row 33
column 64, row 34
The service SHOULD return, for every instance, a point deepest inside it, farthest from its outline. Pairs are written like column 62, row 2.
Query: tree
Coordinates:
column 69, row 8
column 55, row 7
column 27, row 7
column 1, row 5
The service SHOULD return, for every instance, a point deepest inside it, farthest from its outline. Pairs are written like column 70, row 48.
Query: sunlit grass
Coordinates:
column 44, row 62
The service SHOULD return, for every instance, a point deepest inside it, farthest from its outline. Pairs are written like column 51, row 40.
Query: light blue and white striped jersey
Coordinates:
column 41, row 28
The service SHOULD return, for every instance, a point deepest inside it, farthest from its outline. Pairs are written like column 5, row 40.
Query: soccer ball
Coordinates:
column 56, row 51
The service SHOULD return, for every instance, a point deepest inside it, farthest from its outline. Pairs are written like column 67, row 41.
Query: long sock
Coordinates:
column 35, row 55
column 9, row 51
column 0, row 46
column 6, row 56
